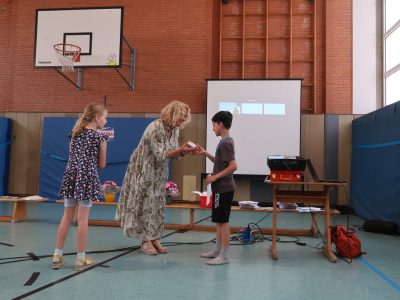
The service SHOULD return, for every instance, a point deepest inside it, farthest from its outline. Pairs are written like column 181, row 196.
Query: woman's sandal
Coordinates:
column 159, row 248
column 149, row 250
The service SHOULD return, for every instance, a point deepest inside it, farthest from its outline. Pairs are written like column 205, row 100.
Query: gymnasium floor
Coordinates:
column 301, row 272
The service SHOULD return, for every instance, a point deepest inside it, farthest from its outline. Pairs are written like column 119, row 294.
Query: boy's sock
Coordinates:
column 224, row 252
column 219, row 260
column 58, row 253
column 214, row 252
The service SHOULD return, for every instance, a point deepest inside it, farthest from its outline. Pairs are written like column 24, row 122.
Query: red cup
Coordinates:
column 203, row 202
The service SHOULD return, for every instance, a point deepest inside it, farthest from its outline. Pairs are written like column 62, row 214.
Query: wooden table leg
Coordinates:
column 19, row 211
column 327, row 249
column 273, row 249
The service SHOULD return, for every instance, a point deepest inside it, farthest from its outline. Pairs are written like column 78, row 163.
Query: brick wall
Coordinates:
column 7, row 15
column 173, row 41
column 338, row 57
column 177, row 45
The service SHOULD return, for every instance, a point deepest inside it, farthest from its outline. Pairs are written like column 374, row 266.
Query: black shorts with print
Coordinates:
column 221, row 209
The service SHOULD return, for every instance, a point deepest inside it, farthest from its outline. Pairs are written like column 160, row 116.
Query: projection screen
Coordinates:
column 266, row 120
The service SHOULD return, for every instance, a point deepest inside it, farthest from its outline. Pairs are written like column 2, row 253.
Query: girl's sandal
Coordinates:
column 57, row 262
column 149, row 250
column 82, row 264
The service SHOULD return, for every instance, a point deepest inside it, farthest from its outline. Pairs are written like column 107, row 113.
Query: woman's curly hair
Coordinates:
column 173, row 112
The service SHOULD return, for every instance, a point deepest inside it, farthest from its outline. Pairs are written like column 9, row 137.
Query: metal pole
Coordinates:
column 132, row 69
column 79, row 79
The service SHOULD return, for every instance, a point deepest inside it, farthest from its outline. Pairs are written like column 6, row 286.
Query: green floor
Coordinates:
column 301, row 272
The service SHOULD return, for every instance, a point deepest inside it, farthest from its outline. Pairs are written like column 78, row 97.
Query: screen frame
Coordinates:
column 208, row 165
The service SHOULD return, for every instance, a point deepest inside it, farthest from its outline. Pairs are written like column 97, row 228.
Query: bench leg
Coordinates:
column 19, row 212
column 191, row 217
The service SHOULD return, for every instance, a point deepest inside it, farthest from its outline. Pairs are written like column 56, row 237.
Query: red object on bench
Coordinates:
column 203, row 202
column 286, row 175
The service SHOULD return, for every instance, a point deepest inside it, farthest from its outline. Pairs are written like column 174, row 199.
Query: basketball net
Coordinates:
column 67, row 54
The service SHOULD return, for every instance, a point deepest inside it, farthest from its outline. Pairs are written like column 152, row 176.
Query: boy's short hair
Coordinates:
column 224, row 117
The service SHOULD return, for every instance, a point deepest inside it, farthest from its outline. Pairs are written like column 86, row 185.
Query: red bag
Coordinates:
column 346, row 242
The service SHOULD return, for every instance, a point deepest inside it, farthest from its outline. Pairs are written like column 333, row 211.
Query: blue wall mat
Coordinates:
column 5, row 148
column 54, row 156
column 331, row 153
column 375, row 165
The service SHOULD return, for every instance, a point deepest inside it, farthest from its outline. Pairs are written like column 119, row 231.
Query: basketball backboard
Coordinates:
column 97, row 31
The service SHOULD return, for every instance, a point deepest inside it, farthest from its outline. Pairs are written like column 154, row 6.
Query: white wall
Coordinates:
column 364, row 56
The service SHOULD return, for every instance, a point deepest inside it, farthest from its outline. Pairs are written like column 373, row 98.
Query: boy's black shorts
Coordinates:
column 221, row 208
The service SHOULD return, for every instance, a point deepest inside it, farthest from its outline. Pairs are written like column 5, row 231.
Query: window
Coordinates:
column 392, row 51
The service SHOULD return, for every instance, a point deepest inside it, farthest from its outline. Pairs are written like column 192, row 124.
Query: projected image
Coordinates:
column 251, row 107
column 274, row 109
column 233, row 107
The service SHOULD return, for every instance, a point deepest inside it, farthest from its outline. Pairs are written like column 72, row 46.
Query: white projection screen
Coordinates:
column 266, row 120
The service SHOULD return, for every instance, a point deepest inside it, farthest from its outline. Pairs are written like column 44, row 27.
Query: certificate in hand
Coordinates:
column 108, row 132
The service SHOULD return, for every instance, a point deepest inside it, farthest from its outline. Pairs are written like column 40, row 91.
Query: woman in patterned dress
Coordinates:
column 142, row 199
column 80, row 184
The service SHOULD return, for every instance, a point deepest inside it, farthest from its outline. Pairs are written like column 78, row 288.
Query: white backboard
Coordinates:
column 98, row 31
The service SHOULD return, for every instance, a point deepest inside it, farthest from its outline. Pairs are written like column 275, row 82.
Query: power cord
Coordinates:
column 253, row 233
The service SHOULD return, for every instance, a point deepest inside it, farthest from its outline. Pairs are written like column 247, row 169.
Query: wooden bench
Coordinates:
column 19, row 207
column 191, row 225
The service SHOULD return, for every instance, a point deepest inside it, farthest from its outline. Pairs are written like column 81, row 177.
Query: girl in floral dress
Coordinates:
column 142, row 199
column 80, row 184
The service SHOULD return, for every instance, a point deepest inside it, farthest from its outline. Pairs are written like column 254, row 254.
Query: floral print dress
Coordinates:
column 81, row 179
column 142, row 199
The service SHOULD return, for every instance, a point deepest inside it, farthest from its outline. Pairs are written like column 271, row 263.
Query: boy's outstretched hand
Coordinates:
column 200, row 150
column 192, row 148
column 186, row 148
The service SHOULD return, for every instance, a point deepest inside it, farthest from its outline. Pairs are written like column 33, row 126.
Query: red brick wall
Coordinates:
column 338, row 57
column 7, row 15
column 177, row 45
column 173, row 41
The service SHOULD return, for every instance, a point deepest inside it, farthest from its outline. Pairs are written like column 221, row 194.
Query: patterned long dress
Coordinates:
column 142, row 199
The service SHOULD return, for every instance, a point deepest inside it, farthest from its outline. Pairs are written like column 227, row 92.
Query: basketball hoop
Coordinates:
column 67, row 54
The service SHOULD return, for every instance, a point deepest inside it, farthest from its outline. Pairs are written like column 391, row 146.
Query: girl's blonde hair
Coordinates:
column 173, row 112
column 91, row 111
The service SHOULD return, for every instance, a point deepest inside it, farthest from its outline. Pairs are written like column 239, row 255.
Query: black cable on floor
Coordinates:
column 32, row 256
column 6, row 244
column 259, row 236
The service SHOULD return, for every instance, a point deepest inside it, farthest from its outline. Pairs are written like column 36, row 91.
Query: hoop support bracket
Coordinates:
column 79, row 78
column 131, row 82
column 131, row 65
